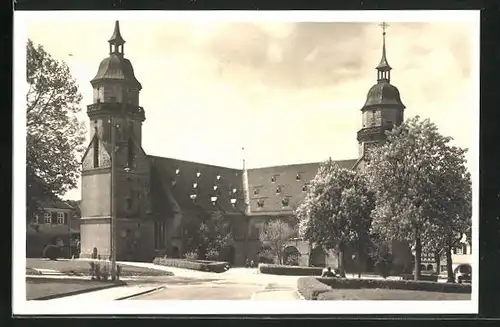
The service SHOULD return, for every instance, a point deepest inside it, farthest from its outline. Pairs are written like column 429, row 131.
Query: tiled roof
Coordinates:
column 281, row 188
column 187, row 180
column 56, row 204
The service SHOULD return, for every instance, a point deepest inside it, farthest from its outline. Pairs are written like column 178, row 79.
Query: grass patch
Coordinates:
column 390, row 295
column 44, row 288
column 82, row 268
column 289, row 270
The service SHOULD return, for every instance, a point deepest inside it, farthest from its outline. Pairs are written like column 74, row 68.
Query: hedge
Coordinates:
column 200, row 265
column 289, row 270
column 408, row 285
column 310, row 288
column 428, row 278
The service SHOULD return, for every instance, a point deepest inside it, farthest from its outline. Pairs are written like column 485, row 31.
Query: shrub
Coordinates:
column 310, row 288
column 289, row 270
column 52, row 252
column 191, row 255
column 409, row 285
column 200, row 265
column 426, row 277
column 383, row 265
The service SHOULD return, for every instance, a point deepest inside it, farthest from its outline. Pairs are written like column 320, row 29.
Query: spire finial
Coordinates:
column 383, row 68
column 243, row 155
column 116, row 41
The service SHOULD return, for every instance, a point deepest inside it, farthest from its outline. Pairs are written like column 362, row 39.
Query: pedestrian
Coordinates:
column 328, row 273
column 252, row 264
column 247, row 263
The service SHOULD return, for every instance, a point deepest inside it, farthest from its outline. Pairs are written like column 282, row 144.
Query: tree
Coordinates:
column 416, row 195
column 336, row 212
column 54, row 135
column 207, row 236
column 275, row 236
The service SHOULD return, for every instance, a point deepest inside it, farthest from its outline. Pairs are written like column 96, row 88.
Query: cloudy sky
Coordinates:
column 287, row 92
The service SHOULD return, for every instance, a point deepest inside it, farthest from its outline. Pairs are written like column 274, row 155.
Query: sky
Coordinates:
column 288, row 92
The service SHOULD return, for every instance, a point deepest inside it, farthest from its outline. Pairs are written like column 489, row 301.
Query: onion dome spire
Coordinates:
column 116, row 41
column 383, row 68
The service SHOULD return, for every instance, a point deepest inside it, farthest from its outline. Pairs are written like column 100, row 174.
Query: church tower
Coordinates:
column 383, row 108
column 120, row 192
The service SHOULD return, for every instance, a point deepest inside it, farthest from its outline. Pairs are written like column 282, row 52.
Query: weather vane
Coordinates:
column 384, row 25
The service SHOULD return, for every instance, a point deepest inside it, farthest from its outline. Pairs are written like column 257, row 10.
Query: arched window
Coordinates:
column 96, row 152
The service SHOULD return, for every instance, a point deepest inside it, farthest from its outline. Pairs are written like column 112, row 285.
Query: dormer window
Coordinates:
column 213, row 199
column 278, row 190
column 298, row 177
column 234, row 190
column 260, row 203
column 233, row 201
column 215, row 187
column 173, row 183
column 193, row 196
column 256, row 191
column 304, row 188
column 218, row 177
column 195, row 185
column 273, row 179
column 177, row 171
column 198, row 174
column 285, row 202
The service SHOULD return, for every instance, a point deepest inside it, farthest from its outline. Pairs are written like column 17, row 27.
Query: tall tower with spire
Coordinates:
column 120, row 192
column 383, row 108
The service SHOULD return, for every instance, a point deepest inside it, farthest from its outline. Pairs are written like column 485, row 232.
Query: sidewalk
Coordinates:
column 271, row 295
column 110, row 294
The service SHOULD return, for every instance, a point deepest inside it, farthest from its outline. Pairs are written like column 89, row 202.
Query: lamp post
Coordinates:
column 113, row 203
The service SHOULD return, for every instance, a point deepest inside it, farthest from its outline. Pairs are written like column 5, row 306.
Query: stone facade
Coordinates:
column 156, row 197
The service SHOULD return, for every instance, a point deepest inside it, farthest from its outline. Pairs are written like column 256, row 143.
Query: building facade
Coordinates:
column 58, row 225
column 155, row 198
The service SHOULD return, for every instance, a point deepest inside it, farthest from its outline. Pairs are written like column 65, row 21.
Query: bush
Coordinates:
column 290, row 270
column 200, row 265
column 52, row 252
column 383, row 265
column 310, row 288
column 191, row 255
column 409, row 285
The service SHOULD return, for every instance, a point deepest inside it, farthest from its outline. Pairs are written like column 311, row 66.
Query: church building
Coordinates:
column 154, row 198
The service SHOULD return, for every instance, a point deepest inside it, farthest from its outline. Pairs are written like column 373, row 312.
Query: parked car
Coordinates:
column 463, row 273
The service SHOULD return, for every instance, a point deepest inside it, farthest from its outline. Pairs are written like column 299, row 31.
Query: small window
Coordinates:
column 464, row 248
column 234, row 190
column 60, row 218
column 47, row 218
column 260, row 203
column 256, row 191
column 215, row 187
column 278, row 190
column 195, row 185
column 193, row 196
column 177, row 171
column 298, row 177
column 304, row 188
column 35, row 219
column 273, row 179
column 198, row 174
column 218, row 177
column 285, row 202
column 213, row 199
column 233, row 201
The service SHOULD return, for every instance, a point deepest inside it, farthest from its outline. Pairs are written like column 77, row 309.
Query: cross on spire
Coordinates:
column 383, row 68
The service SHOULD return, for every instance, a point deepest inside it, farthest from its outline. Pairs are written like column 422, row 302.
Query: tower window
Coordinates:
column 130, row 154
column 260, row 203
column 278, row 190
column 285, row 202
column 96, row 152
column 256, row 191
column 298, row 177
column 273, row 179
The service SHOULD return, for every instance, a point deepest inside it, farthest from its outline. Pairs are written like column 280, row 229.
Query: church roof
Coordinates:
column 383, row 93
column 117, row 38
column 174, row 182
column 281, row 188
column 115, row 67
column 185, row 179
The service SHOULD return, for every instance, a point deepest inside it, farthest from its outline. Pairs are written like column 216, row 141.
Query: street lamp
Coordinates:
column 112, row 201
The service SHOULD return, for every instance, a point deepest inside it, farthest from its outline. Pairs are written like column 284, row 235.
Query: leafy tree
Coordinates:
column 275, row 236
column 336, row 210
column 207, row 236
column 418, row 196
column 54, row 135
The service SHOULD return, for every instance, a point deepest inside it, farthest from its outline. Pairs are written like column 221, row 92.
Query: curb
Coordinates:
column 140, row 293
column 60, row 295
